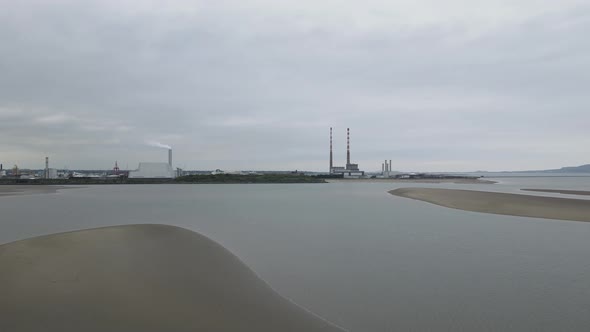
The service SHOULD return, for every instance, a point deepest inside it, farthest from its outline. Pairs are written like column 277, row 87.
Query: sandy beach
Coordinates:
column 502, row 203
column 560, row 191
column 15, row 190
column 456, row 181
column 138, row 278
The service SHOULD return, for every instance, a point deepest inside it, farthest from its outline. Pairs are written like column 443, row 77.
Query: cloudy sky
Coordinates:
column 453, row 85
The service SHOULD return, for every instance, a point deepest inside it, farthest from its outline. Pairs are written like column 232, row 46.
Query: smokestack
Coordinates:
column 347, row 146
column 331, row 155
column 47, row 167
column 170, row 157
column 382, row 169
column 390, row 165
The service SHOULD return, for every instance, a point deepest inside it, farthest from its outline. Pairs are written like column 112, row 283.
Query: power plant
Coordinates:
column 350, row 170
column 148, row 170
column 145, row 170
column 386, row 169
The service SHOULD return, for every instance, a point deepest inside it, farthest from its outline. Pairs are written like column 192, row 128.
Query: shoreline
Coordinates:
column 560, row 191
column 21, row 189
column 544, row 207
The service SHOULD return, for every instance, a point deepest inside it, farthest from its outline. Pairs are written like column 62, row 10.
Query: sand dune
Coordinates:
column 138, row 278
column 502, row 203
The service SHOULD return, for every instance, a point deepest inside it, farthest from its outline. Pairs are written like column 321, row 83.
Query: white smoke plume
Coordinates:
column 158, row 145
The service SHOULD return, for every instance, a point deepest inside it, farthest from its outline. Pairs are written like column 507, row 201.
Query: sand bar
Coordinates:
column 138, row 278
column 15, row 190
column 561, row 191
column 502, row 203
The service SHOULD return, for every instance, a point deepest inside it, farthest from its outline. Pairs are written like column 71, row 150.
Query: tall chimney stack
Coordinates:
column 347, row 146
column 390, row 165
column 170, row 157
column 331, row 155
column 47, row 167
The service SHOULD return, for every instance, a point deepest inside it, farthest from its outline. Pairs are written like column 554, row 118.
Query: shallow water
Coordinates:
column 362, row 258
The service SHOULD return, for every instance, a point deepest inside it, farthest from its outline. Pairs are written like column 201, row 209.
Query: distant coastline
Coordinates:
column 201, row 179
column 235, row 179
column 501, row 203
column 458, row 180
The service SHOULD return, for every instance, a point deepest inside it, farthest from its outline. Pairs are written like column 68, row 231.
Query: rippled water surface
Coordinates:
column 362, row 258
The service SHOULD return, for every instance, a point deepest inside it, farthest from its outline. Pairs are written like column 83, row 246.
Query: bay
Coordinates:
column 357, row 256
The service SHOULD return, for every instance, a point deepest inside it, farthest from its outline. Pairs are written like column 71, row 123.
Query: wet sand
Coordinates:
column 15, row 190
column 138, row 278
column 560, row 191
column 502, row 203
column 456, row 181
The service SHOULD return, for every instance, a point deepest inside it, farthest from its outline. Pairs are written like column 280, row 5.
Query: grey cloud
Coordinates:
column 256, row 86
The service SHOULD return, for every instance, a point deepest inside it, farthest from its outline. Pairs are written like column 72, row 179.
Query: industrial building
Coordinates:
column 350, row 170
column 149, row 170
column 386, row 171
column 49, row 173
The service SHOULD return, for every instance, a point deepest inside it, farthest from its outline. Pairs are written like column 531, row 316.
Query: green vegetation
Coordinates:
column 249, row 178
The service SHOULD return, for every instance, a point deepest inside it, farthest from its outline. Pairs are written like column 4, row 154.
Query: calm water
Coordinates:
column 358, row 256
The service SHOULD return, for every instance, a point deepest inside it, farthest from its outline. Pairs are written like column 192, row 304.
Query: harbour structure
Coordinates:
column 116, row 172
column 154, row 170
column 350, row 170
column 116, row 169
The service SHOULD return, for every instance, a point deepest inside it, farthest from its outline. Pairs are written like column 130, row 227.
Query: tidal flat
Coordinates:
column 502, row 203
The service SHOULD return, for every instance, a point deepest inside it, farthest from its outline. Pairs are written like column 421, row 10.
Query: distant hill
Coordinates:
column 565, row 170
column 574, row 169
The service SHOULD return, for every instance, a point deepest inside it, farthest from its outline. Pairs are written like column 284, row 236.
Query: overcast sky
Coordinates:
column 453, row 85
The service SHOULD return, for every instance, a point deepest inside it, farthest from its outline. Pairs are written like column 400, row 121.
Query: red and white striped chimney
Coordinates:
column 347, row 146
